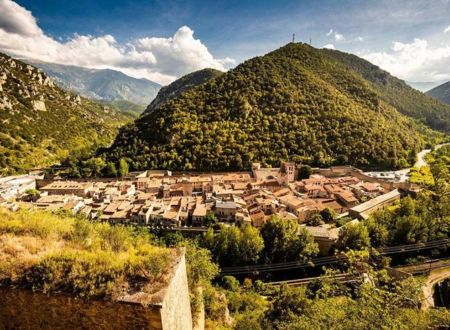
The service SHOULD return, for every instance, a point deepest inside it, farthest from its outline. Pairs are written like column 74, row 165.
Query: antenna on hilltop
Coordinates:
column 310, row 41
column 293, row 37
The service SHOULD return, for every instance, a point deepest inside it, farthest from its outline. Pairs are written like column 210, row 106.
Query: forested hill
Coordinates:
column 396, row 92
column 441, row 92
column 41, row 124
column 296, row 103
column 181, row 85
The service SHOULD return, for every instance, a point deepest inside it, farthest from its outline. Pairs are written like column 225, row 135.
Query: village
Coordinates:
column 196, row 201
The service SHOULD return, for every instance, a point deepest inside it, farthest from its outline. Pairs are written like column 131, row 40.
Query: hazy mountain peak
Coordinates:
column 101, row 84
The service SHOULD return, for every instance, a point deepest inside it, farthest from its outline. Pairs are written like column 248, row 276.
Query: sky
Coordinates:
column 162, row 40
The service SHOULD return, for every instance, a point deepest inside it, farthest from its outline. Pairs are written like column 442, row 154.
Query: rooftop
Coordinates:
column 374, row 202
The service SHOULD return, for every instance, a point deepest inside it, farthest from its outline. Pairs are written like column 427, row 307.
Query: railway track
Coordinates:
column 315, row 262
column 341, row 278
column 417, row 269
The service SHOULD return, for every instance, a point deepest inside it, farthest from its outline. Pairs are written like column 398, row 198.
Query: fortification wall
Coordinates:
column 176, row 307
column 25, row 309
column 351, row 171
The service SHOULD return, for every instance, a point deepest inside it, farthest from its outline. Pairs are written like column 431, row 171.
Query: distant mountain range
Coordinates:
column 312, row 106
column 441, row 92
column 41, row 124
column 106, row 85
column 423, row 86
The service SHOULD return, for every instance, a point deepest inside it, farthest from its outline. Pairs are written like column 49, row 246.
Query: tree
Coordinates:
column 328, row 214
column 123, row 167
column 378, row 233
column 210, row 219
column 315, row 220
column 110, row 170
column 95, row 164
column 230, row 283
column 284, row 240
column 234, row 246
column 407, row 206
column 173, row 239
column 287, row 303
column 304, row 172
column 409, row 230
column 199, row 265
column 250, row 245
column 353, row 237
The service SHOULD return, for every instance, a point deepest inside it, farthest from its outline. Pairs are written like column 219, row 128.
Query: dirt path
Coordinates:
column 435, row 277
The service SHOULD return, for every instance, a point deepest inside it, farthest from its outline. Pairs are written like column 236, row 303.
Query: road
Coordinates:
column 421, row 158
column 403, row 175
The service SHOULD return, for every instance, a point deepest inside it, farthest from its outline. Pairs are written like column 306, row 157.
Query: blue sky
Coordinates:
column 400, row 35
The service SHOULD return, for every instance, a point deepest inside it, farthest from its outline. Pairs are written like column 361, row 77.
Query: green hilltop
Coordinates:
column 181, row 85
column 296, row 103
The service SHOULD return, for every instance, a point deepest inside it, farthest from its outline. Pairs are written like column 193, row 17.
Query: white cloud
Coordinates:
column 447, row 29
column 360, row 39
column 16, row 19
column 158, row 59
column 329, row 46
column 339, row 37
column 415, row 61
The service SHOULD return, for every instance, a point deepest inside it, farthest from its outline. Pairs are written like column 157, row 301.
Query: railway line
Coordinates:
column 417, row 269
column 315, row 262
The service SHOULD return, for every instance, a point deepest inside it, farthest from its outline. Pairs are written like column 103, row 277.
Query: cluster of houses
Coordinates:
column 187, row 199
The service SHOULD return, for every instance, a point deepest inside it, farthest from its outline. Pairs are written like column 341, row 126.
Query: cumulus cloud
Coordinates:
column 158, row 59
column 16, row 19
column 330, row 32
column 447, row 29
column 415, row 61
column 360, row 39
column 329, row 46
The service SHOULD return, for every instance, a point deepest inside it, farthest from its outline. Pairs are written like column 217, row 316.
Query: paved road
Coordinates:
column 403, row 175
column 421, row 158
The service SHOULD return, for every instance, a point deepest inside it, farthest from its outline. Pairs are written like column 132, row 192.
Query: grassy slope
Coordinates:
column 61, row 253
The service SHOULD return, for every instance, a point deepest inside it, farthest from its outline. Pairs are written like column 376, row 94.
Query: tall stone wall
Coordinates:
column 25, row 309
column 176, row 307
column 171, row 310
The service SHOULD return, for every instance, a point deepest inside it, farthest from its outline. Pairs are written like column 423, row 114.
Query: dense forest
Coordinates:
column 181, row 85
column 297, row 103
column 42, row 124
